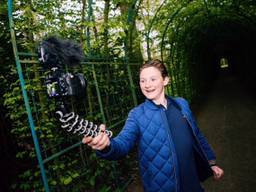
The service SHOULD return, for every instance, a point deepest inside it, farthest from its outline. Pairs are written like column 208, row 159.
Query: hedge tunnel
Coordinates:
column 199, row 36
column 196, row 40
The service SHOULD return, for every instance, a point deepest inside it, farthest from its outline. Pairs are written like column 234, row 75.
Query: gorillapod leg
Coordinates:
column 72, row 122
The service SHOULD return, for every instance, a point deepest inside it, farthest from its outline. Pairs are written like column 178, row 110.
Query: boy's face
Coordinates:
column 152, row 84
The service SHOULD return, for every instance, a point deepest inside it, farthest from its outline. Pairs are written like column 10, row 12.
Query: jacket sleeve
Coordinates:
column 202, row 140
column 124, row 141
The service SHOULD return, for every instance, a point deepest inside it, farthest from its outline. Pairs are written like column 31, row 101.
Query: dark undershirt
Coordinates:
column 183, row 141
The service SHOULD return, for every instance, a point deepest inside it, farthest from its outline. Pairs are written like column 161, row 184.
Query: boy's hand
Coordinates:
column 99, row 142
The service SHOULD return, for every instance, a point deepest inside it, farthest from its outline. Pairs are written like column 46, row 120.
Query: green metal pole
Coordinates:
column 93, row 68
column 206, row 7
column 129, row 22
column 150, row 27
column 25, row 97
column 171, row 18
column 99, row 95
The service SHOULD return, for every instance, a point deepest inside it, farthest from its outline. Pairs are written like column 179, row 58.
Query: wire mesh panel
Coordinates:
column 69, row 165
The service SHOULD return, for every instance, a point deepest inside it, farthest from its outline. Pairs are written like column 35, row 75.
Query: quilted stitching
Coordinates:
column 156, row 162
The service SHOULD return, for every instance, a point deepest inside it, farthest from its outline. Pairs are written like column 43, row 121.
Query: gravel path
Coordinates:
column 227, row 119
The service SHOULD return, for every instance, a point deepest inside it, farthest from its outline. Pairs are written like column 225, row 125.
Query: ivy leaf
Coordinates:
column 67, row 180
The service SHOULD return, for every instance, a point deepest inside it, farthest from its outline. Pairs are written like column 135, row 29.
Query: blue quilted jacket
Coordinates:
column 147, row 127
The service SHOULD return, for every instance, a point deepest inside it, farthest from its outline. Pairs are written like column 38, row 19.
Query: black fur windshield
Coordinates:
column 55, row 52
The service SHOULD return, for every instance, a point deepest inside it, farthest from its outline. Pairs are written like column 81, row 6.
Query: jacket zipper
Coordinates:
column 168, row 132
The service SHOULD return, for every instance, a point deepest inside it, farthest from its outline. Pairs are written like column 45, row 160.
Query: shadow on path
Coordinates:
column 227, row 119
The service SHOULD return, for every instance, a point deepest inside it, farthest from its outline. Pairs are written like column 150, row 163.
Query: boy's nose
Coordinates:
column 147, row 84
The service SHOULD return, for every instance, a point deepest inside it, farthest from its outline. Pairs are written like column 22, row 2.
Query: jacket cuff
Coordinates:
column 105, row 152
column 212, row 162
column 106, row 149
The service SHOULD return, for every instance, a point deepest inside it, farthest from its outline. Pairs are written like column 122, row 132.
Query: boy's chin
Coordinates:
column 150, row 98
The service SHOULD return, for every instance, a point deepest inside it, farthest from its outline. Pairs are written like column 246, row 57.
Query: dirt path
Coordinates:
column 227, row 119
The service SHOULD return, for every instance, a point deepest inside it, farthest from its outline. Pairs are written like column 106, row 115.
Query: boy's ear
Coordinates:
column 166, row 81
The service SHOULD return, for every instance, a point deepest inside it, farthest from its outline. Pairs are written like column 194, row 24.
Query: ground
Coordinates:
column 226, row 117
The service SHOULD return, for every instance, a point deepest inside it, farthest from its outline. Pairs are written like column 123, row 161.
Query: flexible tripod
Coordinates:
column 72, row 122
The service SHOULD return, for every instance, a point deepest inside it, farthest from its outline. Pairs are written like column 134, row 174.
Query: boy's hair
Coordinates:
column 157, row 64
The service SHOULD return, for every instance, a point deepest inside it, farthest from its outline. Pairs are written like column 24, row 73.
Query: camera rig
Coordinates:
column 54, row 55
